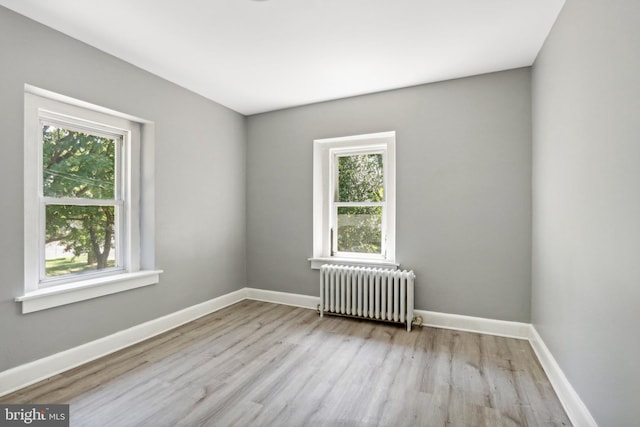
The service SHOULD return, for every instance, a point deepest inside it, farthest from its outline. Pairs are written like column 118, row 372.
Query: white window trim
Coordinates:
column 323, row 151
column 139, row 265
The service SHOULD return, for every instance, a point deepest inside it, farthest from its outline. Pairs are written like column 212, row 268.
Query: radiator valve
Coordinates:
column 417, row 320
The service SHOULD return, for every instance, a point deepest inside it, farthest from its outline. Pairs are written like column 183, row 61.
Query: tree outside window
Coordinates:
column 359, row 203
column 80, row 189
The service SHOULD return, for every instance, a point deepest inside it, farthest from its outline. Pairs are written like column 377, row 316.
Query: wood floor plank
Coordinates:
column 261, row 364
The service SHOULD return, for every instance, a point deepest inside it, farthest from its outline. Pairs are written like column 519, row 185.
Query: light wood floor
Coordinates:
column 260, row 364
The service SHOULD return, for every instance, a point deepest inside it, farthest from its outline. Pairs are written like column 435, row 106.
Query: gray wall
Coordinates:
column 200, row 189
column 463, row 190
column 464, row 194
column 586, row 203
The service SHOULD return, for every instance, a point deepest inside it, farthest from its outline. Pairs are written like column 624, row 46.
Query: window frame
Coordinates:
column 127, row 139
column 325, row 177
column 335, row 154
column 136, row 217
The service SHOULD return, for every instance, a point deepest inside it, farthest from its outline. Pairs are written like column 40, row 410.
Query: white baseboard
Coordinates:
column 573, row 405
column 285, row 298
column 429, row 318
column 502, row 328
column 38, row 370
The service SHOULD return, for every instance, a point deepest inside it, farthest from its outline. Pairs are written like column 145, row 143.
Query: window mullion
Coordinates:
column 81, row 202
column 358, row 204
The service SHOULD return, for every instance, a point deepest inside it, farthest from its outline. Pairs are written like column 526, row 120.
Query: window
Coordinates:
column 82, row 197
column 354, row 200
column 84, row 231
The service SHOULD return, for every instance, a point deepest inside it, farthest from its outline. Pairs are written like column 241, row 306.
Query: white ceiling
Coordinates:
column 256, row 56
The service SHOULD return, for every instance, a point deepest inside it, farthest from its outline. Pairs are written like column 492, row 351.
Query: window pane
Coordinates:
column 77, row 164
column 360, row 178
column 79, row 239
column 359, row 229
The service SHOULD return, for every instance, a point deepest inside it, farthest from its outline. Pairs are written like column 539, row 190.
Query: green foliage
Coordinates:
column 360, row 179
column 79, row 165
column 359, row 229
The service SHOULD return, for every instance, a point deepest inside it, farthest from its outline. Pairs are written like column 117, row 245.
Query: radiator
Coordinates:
column 368, row 293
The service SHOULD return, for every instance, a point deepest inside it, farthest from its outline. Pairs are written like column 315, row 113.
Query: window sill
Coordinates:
column 85, row 289
column 316, row 263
